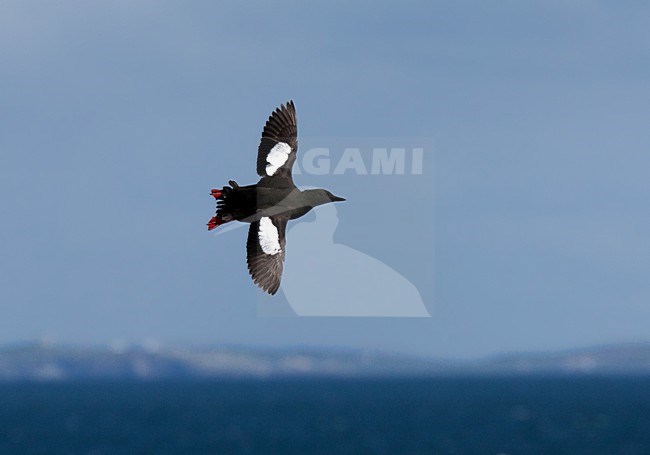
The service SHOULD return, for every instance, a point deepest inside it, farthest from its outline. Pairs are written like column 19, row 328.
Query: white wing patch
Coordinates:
column 268, row 236
column 277, row 157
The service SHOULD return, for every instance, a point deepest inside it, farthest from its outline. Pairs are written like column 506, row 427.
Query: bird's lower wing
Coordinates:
column 265, row 251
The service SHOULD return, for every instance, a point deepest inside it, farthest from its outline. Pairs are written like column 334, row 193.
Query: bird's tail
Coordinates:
column 223, row 213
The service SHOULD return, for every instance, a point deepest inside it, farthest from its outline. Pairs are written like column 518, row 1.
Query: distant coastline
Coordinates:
column 51, row 362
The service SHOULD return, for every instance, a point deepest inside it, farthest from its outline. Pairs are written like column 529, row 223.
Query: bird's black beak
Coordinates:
column 337, row 199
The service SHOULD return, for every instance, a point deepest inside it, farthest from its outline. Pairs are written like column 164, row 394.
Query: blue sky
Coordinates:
column 118, row 117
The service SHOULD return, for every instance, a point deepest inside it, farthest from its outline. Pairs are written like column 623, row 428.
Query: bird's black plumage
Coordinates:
column 272, row 202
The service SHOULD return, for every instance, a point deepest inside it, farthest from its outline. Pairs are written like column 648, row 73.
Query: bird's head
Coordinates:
column 320, row 197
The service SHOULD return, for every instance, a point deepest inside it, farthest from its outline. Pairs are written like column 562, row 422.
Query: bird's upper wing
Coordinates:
column 265, row 251
column 279, row 144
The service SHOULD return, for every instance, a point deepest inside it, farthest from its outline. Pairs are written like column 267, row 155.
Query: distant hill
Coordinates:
column 612, row 359
column 46, row 362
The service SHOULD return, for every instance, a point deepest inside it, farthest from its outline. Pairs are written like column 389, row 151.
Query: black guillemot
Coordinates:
column 272, row 202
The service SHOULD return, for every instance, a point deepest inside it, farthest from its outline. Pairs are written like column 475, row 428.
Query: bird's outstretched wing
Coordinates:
column 265, row 251
column 279, row 144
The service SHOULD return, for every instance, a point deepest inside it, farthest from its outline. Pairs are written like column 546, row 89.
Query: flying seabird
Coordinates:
column 272, row 202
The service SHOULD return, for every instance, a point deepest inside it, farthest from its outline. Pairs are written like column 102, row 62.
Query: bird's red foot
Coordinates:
column 214, row 222
column 217, row 221
column 216, row 193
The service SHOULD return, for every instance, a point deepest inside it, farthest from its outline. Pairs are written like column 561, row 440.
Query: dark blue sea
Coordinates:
column 451, row 415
